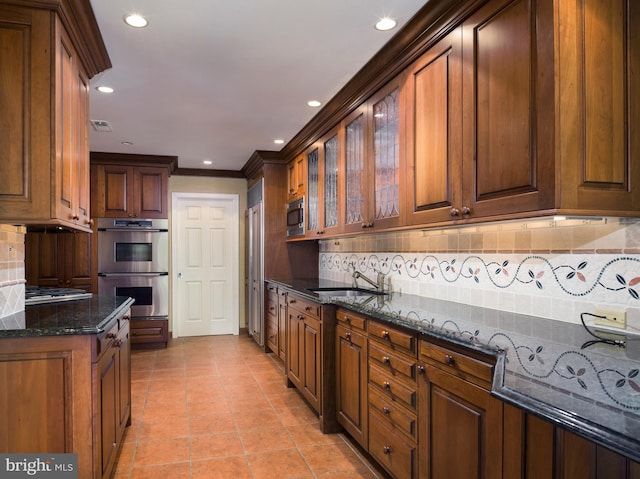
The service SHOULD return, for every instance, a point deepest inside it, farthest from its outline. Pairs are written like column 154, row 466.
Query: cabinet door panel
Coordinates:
column 434, row 132
column 460, row 428
column 151, row 195
column 311, row 361
column 117, row 189
column 351, row 382
column 293, row 349
column 313, row 193
column 108, row 387
column 330, row 196
column 355, row 177
column 508, row 145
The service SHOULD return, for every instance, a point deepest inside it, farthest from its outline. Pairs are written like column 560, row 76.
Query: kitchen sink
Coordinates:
column 341, row 292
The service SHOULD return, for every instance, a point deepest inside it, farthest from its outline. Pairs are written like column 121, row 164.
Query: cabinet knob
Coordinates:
column 367, row 225
column 386, row 410
column 75, row 217
column 307, row 308
column 466, row 210
column 347, row 319
column 385, row 334
column 386, row 449
column 89, row 222
column 454, row 212
column 387, row 385
column 420, row 369
column 111, row 335
column 386, row 360
column 292, row 301
column 347, row 335
column 117, row 343
column 319, row 232
column 450, row 360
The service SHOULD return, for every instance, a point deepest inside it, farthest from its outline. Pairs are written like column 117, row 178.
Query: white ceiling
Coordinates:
column 219, row 79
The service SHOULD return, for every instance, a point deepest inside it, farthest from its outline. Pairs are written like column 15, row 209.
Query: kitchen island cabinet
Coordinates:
column 46, row 60
column 66, row 368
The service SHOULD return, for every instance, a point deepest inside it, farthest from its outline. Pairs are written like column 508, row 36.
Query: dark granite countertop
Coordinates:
column 542, row 366
column 82, row 316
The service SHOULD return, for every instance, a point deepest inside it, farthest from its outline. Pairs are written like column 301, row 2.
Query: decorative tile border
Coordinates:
column 523, row 280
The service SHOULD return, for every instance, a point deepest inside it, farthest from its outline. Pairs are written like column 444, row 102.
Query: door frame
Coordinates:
column 176, row 201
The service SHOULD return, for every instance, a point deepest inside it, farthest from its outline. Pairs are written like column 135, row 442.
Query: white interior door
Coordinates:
column 205, row 264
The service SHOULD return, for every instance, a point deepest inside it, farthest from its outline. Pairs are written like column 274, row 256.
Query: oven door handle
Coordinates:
column 129, row 275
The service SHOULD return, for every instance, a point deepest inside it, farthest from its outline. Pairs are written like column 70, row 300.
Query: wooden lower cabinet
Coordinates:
column 310, row 358
column 282, row 324
column 428, row 413
column 67, row 394
column 351, row 381
column 535, row 448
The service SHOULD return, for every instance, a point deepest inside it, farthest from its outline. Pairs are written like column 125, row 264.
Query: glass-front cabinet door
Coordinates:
column 312, row 207
column 355, row 157
column 387, row 184
column 330, row 190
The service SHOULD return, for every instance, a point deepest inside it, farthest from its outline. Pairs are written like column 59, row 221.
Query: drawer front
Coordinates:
column 392, row 388
column 272, row 304
column 396, row 416
column 397, row 366
column 472, row 369
column 390, row 450
column 350, row 319
column 106, row 339
column 398, row 340
column 149, row 331
column 309, row 308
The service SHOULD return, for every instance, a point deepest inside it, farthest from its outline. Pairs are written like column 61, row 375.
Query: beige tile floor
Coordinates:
column 217, row 407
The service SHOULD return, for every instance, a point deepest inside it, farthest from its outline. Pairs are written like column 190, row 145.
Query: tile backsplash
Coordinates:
column 12, row 273
column 550, row 268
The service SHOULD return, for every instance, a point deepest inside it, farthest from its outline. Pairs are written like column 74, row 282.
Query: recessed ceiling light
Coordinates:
column 314, row 103
column 278, row 142
column 104, row 89
column 127, row 143
column 385, row 24
column 207, row 162
column 136, row 21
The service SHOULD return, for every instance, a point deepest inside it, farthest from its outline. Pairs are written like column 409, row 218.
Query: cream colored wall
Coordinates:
column 204, row 184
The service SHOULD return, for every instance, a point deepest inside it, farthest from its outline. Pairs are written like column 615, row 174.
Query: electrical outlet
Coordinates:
column 612, row 319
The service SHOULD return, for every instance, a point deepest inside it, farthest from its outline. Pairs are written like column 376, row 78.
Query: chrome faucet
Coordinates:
column 379, row 284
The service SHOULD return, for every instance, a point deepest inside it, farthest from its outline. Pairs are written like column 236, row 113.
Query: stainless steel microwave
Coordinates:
column 295, row 218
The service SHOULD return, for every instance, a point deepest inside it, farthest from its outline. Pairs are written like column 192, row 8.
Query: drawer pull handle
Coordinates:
column 347, row 319
column 292, row 301
column 386, row 449
column 385, row 334
column 387, row 385
column 308, row 308
column 126, row 318
column 111, row 335
column 117, row 343
column 348, row 336
column 420, row 369
column 386, row 360
column 386, row 410
column 450, row 360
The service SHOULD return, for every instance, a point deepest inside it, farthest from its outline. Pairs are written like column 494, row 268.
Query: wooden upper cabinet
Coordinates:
column 122, row 191
column 508, row 109
column 356, row 171
column 44, row 172
column 385, row 202
column 434, row 132
column 296, row 179
column 323, row 215
column 599, row 105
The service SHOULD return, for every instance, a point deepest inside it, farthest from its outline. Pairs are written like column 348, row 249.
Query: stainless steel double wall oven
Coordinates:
column 133, row 260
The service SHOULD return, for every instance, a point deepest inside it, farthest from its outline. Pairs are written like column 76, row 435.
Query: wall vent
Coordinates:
column 101, row 125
